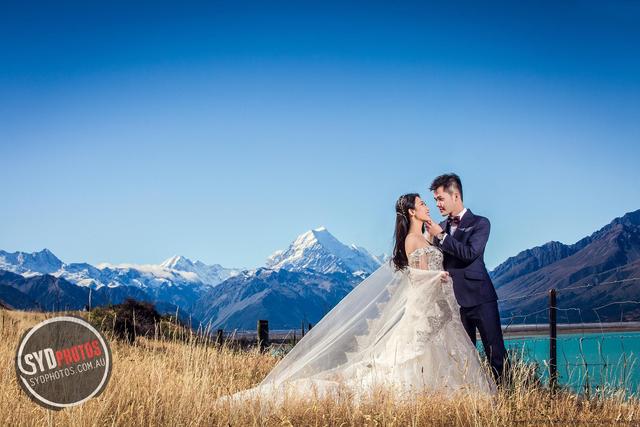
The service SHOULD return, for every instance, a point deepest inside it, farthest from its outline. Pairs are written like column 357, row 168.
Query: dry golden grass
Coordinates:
column 171, row 382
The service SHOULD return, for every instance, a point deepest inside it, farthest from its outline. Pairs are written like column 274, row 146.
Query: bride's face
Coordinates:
column 421, row 212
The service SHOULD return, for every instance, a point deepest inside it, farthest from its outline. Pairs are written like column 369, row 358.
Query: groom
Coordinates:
column 462, row 238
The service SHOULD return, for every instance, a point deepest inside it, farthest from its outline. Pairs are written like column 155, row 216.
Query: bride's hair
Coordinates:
column 404, row 203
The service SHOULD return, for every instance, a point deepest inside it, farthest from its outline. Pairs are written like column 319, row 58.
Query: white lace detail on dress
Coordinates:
column 436, row 304
column 427, row 258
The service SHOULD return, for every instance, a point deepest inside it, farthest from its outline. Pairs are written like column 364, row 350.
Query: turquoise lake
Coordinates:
column 591, row 359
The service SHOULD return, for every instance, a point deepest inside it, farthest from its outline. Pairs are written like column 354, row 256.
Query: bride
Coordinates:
column 399, row 328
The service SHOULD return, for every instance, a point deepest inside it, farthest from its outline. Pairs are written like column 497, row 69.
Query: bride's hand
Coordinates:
column 445, row 277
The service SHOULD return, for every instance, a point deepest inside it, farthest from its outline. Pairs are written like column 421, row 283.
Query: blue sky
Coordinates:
column 220, row 131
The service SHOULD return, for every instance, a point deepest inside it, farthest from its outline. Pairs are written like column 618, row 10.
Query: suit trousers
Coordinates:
column 486, row 319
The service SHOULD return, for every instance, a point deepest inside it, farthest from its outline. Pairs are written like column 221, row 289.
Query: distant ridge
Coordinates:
column 609, row 254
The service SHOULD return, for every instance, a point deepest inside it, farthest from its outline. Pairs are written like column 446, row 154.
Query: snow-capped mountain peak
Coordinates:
column 319, row 250
column 178, row 262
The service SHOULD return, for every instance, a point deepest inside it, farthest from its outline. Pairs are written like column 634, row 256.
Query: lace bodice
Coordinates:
column 427, row 258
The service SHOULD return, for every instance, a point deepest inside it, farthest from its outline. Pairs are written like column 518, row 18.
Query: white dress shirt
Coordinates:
column 453, row 228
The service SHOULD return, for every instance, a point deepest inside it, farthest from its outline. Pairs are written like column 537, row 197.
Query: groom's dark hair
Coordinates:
column 450, row 182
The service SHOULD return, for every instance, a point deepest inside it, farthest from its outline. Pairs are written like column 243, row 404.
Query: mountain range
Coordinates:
column 592, row 277
column 300, row 283
column 304, row 281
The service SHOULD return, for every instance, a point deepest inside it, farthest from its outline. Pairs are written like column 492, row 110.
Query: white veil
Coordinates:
column 350, row 331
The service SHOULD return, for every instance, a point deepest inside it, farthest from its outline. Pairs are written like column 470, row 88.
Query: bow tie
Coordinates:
column 455, row 220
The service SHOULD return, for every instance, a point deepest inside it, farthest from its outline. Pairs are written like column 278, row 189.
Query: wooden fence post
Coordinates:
column 553, row 351
column 219, row 336
column 263, row 334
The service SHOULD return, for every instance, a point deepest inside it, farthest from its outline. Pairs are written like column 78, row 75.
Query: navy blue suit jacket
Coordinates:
column 464, row 260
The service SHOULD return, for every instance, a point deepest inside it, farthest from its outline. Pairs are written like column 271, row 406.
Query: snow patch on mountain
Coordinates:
column 209, row 274
column 30, row 264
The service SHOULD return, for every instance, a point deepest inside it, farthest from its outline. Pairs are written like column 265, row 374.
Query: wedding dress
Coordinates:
column 396, row 329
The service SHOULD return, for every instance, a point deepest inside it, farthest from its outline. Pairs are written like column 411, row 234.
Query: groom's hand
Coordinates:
column 433, row 228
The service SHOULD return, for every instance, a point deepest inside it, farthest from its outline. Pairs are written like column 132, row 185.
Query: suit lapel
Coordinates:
column 466, row 220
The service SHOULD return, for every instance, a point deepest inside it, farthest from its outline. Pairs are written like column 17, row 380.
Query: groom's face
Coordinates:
column 444, row 201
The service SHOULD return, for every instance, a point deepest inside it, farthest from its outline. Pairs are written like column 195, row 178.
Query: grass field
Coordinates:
column 175, row 380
